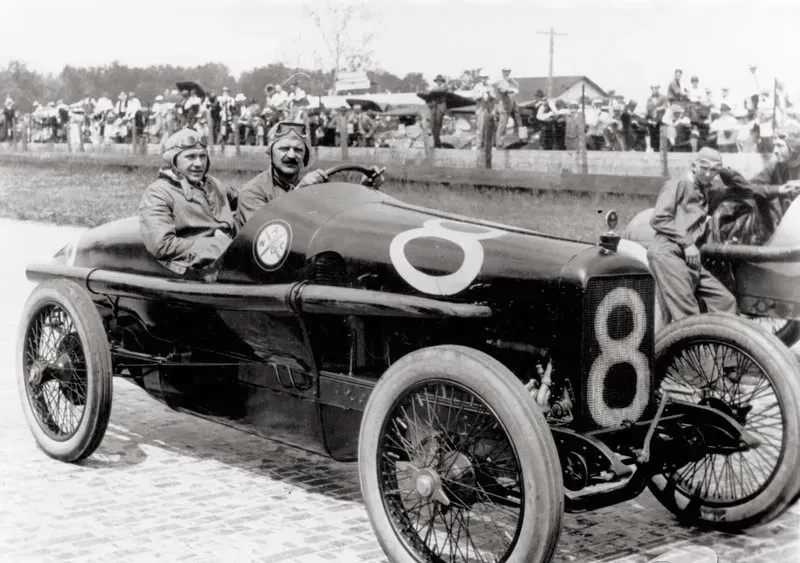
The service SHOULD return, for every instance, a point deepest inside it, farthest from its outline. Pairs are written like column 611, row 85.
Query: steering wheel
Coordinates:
column 355, row 173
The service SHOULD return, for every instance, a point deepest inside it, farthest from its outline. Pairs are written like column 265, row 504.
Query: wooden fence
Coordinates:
column 638, row 173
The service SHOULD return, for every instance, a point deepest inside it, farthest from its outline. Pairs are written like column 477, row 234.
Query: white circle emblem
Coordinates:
column 272, row 244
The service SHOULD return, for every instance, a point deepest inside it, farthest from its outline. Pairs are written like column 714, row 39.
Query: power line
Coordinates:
column 552, row 33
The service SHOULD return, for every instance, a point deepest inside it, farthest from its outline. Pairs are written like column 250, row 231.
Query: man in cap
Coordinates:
column 186, row 217
column 656, row 106
column 484, row 97
column 226, row 105
column 437, row 106
column 9, row 113
column 674, row 92
column 507, row 88
column 723, row 130
column 681, row 222
column 289, row 153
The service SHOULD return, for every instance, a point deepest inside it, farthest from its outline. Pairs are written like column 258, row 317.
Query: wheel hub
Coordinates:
column 428, row 485
column 425, row 484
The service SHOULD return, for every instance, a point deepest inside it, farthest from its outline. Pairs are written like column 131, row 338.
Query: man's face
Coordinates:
column 192, row 163
column 678, row 74
column 705, row 171
column 780, row 150
column 288, row 155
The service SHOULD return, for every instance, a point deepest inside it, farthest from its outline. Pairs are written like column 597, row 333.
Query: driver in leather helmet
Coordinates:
column 784, row 168
column 289, row 153
column 186, row 217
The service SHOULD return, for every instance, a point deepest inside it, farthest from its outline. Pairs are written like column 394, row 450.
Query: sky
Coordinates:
column 624, row 45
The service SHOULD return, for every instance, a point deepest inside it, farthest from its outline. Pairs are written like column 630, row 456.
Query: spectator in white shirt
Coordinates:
column 596, row 123
column 484, row 96
column 724, row 130
column 695, row 93
column 279, row 98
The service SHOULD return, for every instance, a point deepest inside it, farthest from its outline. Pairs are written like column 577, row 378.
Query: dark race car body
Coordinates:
column 507, row 290
column 344, row 321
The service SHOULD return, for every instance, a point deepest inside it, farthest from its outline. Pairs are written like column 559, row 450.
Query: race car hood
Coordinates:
column 351, row 235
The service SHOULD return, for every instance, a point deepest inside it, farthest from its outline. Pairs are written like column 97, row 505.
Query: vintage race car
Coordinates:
column 754, row 249
column 486, row 378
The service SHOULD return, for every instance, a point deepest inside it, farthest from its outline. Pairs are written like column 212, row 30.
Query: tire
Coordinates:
column 464, row 454
column 787, row 331
column 765, row 370
column 61, row 327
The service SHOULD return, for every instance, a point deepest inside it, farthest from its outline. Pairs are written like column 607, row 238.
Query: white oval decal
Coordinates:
column 272, row 243
column 468, row 241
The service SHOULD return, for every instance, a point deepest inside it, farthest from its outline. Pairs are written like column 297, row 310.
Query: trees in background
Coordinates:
column 25, row 85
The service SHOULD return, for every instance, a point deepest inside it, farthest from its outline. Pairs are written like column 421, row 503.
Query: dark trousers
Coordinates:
column 655, row 136
column 681, row 289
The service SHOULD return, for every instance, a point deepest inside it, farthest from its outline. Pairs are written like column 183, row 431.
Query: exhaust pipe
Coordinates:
column 751, row 253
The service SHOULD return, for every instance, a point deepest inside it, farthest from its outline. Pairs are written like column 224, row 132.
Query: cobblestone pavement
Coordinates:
column 165, row 486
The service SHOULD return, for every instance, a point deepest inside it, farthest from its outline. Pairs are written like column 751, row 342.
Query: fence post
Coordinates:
column 212, row 137
column 133, row 138
column 235, row 126
column 24, row 135
column 426, row 143
column 664, row 146
column 81, row 126
column 583, row 157
column 307, row 123
column 488, row 139
column 344, row 138
column 583, row 154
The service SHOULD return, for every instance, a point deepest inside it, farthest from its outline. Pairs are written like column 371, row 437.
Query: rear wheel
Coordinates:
column 64, row 370
column 788, row 331
column 730, row 365
column 457, row 464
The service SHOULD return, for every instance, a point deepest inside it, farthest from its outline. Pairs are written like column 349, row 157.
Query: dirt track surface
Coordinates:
column 167, row 486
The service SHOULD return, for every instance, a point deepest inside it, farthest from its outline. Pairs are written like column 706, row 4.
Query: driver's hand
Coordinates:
column 790, row 188
column 317, row 176
column 374, row 178
column 692, row 255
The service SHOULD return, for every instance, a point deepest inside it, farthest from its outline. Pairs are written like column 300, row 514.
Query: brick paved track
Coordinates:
column 171, row 487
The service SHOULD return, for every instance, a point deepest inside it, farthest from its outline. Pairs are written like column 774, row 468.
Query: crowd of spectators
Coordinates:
column 684, row 119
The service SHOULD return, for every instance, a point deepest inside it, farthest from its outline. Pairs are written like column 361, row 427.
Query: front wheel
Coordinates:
column 730, row 365
column 64, row 370
column 457, row 464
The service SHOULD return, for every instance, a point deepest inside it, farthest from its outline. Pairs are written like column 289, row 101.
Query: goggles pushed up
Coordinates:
column 189, row 141
column 283, row 128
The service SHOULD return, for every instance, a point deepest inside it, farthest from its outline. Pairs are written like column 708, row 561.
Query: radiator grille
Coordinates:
column 618, row 349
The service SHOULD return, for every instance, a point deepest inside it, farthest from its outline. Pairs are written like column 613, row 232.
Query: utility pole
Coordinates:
column 552, row 35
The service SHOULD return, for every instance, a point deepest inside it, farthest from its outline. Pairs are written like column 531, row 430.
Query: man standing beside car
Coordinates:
column 289, row 153
column 186, row 217
column 681, row 222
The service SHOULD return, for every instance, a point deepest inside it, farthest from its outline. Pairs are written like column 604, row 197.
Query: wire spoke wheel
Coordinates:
column 450, row 475
column 65, row 370
column 457, row 464
column 55, row 365
column 727, row 378
column 730, row 365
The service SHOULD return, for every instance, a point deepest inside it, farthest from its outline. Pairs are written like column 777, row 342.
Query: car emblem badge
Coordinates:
column 272, row 244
